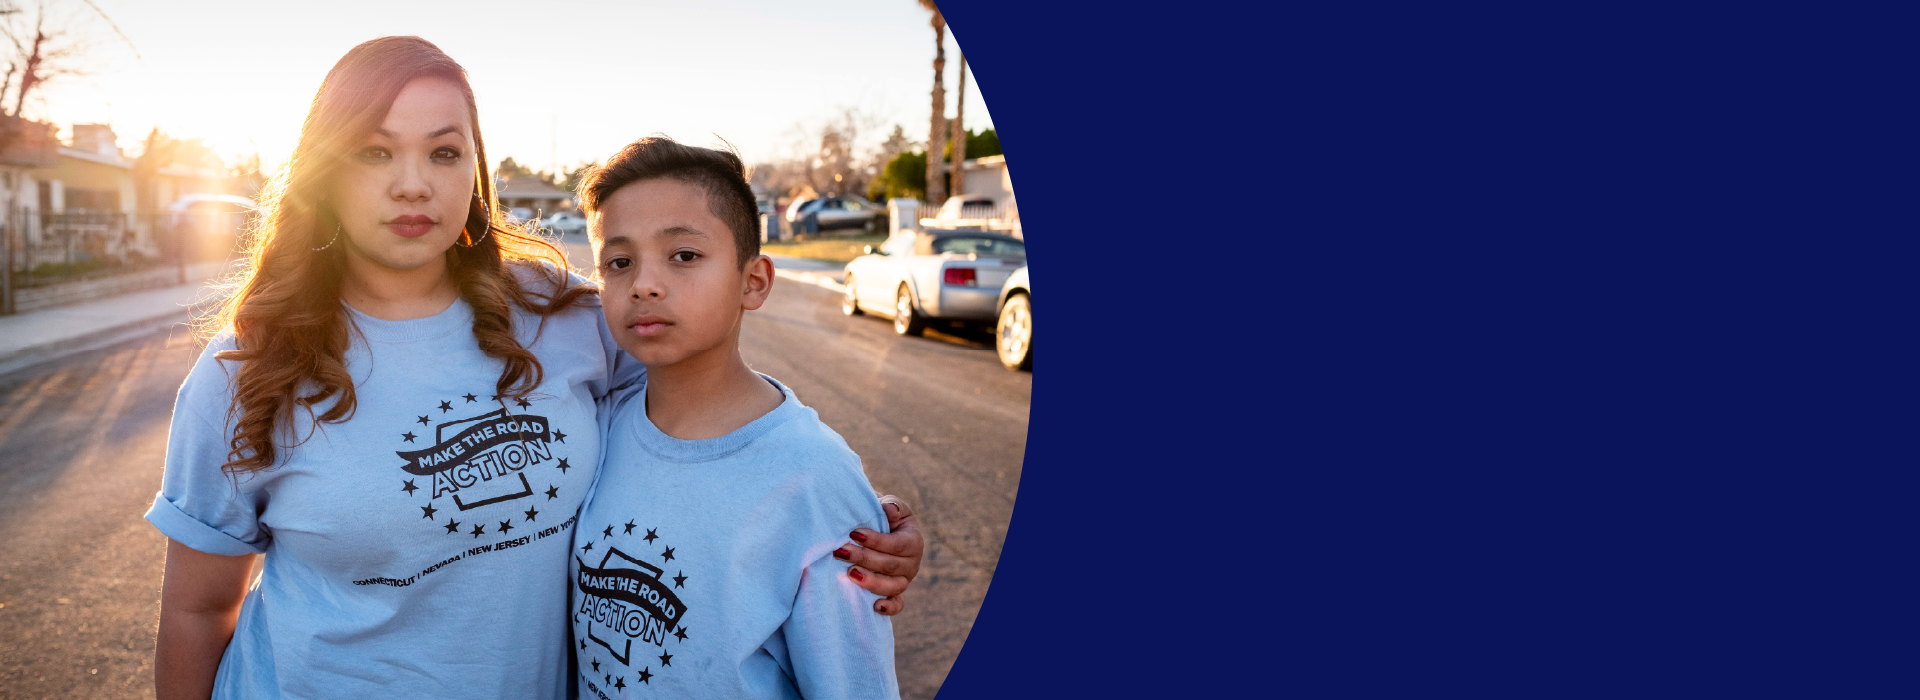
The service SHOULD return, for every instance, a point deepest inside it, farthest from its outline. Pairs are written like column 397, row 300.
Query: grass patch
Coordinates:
column 836, row 249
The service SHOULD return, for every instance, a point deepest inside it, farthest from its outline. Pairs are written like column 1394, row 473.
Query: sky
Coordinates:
column 557, row 82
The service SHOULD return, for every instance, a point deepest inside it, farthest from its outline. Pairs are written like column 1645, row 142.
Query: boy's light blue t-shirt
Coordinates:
column 705, row 569
column 417, row 549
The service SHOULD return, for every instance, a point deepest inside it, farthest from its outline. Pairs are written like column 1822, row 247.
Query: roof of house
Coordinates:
column 986, row 162
column 94, row 157
column 527, row 188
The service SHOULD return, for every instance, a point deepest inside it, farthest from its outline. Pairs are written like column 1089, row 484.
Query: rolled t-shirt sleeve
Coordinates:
column 199, row 505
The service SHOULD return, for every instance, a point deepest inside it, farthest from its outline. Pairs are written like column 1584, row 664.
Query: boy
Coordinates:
column 670, row 592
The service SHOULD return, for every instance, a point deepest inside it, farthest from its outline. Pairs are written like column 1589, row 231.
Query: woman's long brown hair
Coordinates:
column 290, row 330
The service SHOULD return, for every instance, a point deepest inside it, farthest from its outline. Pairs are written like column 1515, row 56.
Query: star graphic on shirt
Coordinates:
column 563, row 465
column 596, row 664
column 679, row 580
column 644, row 675
column 620, row 682
column 681, row 633
column 505, row 525
column 629, row 529
column 409, row 436
column 478, row 531
column 559, row 436
column 609, row 678
column 650, row 536
column 531, row 512
column 452, row 526
column 446, row 406
column 522, row 402
column 469, row 398
column 608, row 533
column 409, row 488
column 428, row 508
column 553, row 492
column 583, row 642
column 587, row 548
column 494, row 398
column 423, row 420
column 667, row 555
column 666, row 659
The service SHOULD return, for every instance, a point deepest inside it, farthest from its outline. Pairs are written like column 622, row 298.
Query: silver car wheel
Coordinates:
column 850, row 305
column 1015, row 332
column 905, row 321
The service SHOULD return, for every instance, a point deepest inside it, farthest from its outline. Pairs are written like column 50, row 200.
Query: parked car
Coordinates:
column 924, row 275
column 968, row 207
column 835, row 212
column 206, row 226
column 564, row 223
column 519, row 215
column 1014, row 333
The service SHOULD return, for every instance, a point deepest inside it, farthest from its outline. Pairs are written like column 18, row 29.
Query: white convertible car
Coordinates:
column 919, row 276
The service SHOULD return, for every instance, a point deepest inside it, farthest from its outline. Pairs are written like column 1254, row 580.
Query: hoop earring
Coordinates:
column 336, row 239
column 485, row 213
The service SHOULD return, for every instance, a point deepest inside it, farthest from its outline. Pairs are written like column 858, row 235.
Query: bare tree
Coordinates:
column 38, row 49
column 829, row 158
column 896, row 144
column 937, row 128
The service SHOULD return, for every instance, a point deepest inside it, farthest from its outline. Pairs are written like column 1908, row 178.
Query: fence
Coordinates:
column 981, row 215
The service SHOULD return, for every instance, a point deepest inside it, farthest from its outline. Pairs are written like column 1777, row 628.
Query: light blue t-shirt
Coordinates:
column 705, row 569
column 417, row 549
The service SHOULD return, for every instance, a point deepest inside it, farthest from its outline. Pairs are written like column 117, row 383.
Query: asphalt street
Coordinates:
column 936, row 420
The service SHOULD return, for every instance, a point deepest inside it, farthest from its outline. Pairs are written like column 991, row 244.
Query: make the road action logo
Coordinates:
column 623, row 600
column 628, row 601
column 481, row 463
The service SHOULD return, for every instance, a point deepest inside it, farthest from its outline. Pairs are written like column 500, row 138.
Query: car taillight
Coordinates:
column 960, row 275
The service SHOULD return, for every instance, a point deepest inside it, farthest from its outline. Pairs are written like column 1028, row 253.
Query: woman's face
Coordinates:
column 404, row 192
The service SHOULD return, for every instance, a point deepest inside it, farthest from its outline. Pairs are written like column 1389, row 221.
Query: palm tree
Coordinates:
column 959, row 178
column 937, row 129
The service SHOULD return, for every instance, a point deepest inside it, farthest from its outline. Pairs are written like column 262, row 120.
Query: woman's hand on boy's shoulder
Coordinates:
column 886, row 563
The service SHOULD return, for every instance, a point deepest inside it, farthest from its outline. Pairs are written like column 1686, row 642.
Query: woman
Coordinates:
column 398, row 411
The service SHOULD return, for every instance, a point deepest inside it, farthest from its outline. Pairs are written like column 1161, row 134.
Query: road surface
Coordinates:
column 936, row 420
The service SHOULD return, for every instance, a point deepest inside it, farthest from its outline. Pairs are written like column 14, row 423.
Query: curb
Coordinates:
column 51, row 350
column 814, row 278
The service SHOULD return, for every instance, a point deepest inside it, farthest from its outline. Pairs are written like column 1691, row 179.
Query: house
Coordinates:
column 86, row 199
column 988, row 175
column 28, row 147
column 537, row 197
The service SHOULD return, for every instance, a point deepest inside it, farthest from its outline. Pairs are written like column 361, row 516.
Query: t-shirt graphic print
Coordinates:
column 624, row 599
column 481, row 460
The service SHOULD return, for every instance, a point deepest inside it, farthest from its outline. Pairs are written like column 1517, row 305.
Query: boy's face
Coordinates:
column 674, row 288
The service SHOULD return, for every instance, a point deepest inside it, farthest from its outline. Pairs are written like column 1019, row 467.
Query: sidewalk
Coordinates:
column 831, row 276
column 38, row 336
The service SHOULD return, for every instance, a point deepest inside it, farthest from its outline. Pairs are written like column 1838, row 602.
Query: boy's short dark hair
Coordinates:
column 720, row 173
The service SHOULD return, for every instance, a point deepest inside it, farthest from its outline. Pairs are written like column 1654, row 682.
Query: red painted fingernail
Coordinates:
column 842, row 553
column 857, row 537
column 857, row 576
